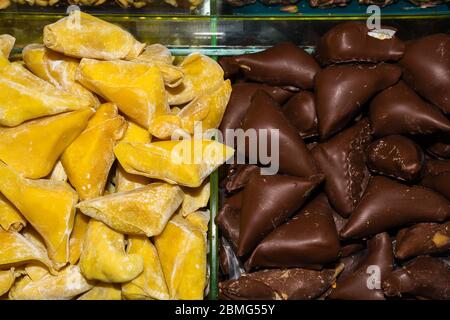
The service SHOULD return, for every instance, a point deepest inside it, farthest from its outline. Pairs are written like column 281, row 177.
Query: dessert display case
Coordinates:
column 217, row 29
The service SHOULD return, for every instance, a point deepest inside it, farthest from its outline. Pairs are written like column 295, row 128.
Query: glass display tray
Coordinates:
column 159, row 7
column 402, row 7
column 219, row 36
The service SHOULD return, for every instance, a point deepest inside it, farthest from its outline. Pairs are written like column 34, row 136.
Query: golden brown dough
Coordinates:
column 33, row 198
column 151, row 283
column 34, row 147
column 104, row 257
column 88, row 159
column 143, row 211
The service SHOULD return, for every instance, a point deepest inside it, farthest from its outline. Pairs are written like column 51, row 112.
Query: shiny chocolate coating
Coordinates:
column 423, row 239
column 362, row 284
column 341, row 90
column 387, row 204
column 396, row 156
column 342, row 160
column 239, row 102
column 426, row 68
column 351, row 42
column 436, row 176
column 423, row 277
column 278, row 284
column 238, row 176
column 308, row 239
column 269, row 201
column 399, row 110
column 284, row 64
column 440, row 148
column 228, row 219
column 265, row 113
column 301, row 112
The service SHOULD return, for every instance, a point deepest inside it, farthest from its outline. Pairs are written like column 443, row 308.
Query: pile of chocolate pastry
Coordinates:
column 360, row 208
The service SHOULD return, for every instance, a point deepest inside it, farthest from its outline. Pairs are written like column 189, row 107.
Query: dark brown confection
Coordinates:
column 396, row 156
column 238, row 176
column 380, row 3
column 399, row 110
column 426, row 66
column 284, row 64
column 240, row 101
column 440, row 148
column 301, row 112
column 365, row 282
column 269, row 201
column 308, row 239
column 341, row 90
column 350, row 247
column 342, row 160
column 276, row 284
column 422, row 239
column 388, row 204
column 228, row 219
column 436, row 176
column 351, row 263
column 223, row 260
column 423, row 277
column 323, row 4
column 351, row 42
column 265, row 113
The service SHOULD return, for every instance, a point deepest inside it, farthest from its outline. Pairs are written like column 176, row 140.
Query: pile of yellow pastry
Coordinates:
column 75, row 223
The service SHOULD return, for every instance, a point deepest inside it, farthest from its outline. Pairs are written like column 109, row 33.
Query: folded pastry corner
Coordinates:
column 104, row 258
column 182, row 251
column 33, row 198
column 142, row 211
column 33, row 148
column 185, row 162
column 150, row 284
column 88, row 159
column 77, row 35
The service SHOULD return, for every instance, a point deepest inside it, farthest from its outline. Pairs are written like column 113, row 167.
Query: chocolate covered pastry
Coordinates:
column 228, row 219
column 267, row 202
column 423, row 239
column 240, row 99
column 436, row 176
column 307, row 239
column 325, row 4
column 342, row 161
column 238, row 176
column 387, row 204
column 265, row 113
column 380, row 3
column 399, row 110
column 426, row 68
column 396, row 156
column 423, row 277
column 354, row 42
column 284, row 64
column 277, row 284
column 364, row 283
column 301, row 112
column 341, row 90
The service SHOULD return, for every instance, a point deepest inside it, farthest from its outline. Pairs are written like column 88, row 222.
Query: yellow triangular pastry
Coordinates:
column 34, row 147
column 143, row 211
column 84, row 36
column 24, row 96
column 104, row 257
column 151, row 283
column 89, row 157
